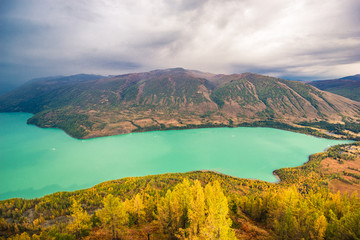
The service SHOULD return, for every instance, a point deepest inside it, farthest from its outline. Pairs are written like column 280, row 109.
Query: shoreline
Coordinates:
column 277, row 176
column 260, row 123
column 317, row 134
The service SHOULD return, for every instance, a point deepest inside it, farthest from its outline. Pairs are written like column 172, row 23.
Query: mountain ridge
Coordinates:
column 173, row 99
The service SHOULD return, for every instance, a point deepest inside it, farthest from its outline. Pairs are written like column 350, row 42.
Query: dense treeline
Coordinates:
column 288, row 127
column 195, row 205
column 76, row 125
column 336, row 128
column 339, row 153
column 348, row 86
column 314, row 215
column 267, row 123
column 191, row 211
column 188, row 211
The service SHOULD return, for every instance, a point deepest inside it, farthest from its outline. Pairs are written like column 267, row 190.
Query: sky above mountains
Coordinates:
column 300, row 39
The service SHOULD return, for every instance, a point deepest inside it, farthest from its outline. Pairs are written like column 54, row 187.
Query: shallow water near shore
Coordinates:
column 36, row 161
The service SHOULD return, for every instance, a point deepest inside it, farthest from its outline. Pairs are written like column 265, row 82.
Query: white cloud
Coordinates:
column 285, row 38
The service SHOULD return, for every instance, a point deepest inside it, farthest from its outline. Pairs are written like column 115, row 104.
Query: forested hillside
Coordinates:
column 87, row 106
column 306, row 204
column 348, row 86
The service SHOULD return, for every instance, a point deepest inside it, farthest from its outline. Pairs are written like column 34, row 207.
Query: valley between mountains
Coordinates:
column 88, row 106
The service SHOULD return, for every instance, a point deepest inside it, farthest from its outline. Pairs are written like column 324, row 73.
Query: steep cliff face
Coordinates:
column 160, row 99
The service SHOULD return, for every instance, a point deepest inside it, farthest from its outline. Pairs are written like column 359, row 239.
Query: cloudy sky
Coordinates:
column 294, row 39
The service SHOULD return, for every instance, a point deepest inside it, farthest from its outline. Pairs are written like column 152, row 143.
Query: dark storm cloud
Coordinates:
column 301, row 38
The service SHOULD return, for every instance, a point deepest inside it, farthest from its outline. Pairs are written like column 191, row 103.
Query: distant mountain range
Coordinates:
column 87, row 106
column 348, row 86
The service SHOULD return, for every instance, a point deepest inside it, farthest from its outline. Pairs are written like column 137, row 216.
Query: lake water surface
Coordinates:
column 36, row 161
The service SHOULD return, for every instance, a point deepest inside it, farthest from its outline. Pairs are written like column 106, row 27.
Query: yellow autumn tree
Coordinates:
column 196, row 211
column 319, row 228
column 192, row 212
column 217, row 223
column 169, row 213
column 23, row 236
column 113, row 216
column 136, row 210
column 80, row 224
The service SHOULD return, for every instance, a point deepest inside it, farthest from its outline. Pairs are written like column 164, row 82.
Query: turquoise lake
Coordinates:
column 36, row 161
